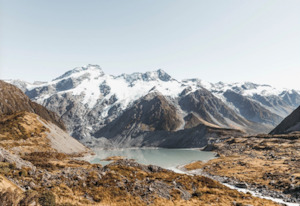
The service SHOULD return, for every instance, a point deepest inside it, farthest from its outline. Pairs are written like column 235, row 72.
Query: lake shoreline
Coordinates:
column 266, row 194
column 163, row 157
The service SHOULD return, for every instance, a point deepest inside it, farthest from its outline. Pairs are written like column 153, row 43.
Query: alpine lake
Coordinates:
column 165, row 158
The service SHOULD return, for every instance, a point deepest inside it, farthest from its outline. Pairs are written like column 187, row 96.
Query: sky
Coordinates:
column 213, row 40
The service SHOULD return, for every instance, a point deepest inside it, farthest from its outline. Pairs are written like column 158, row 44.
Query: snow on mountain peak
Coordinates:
column 162, row 75
column 195, row 84
column 158, row 75
column 79, row 71
column 93, row 87
column 246, row 88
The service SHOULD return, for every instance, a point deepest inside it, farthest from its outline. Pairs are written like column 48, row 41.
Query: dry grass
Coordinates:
column 272, row 161
column 114, row 158
column 194, row 165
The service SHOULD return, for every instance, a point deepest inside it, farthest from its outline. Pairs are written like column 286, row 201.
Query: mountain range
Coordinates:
column 154, row 109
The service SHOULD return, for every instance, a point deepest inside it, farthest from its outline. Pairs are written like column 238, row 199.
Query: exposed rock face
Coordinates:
column 6, row 156
column 291, row 97
column 151, row 113
column 289, row 124
column 275, row 101
column 193, row 120
column 154, row 121
column 210, row 108
column 251, row 110
column 13, row 100
column 61, row 141
column 90, row 101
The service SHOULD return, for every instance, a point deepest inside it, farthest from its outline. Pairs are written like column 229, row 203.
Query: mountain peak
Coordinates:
column 78, row 71
column 147, row 76
column 160, row 74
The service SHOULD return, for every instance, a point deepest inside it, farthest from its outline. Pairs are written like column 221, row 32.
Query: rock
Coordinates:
column 234, row 203
column 241, row 185
column 6, row 156
column 32, row 185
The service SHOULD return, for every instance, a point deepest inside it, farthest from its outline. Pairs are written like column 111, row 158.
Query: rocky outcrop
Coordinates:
column 6, row 156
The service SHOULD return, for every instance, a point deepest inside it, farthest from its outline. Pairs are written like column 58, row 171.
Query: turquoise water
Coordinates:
column 166, row 158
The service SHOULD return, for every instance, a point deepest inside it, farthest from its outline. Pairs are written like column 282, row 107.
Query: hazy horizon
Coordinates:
column 230, row 41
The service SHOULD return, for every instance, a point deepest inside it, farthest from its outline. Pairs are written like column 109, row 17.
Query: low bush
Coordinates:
column 47, row 198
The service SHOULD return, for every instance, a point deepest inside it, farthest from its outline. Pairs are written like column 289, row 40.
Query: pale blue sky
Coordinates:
column 214, row 40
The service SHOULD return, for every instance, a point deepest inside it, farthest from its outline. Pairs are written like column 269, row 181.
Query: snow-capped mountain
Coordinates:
column 95, row 104
column 279, row 101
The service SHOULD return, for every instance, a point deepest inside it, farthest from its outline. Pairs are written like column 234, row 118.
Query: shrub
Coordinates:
column 47, row 198
column 8, row 197
column 30, row 197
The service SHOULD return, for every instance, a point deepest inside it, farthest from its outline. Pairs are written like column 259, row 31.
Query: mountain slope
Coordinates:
column 210, row 108
column 24, row 132
column 155, row 121
column 251, row 110
column 290, row 124
column 13, row 100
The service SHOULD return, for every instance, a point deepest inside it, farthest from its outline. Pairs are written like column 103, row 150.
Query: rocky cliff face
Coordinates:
column 251, row 110
column 154, row 121
column 290, row 124
column 90, row 102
